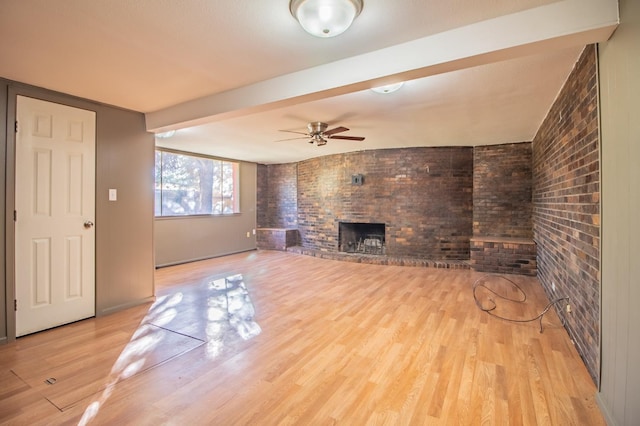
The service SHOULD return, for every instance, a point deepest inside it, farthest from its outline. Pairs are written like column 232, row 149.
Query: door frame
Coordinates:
column 14, row 90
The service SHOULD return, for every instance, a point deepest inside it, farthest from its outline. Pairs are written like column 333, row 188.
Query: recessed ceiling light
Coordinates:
column 388, row 88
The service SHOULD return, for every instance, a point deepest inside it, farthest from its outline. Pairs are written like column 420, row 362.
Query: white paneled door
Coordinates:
column 55, row 213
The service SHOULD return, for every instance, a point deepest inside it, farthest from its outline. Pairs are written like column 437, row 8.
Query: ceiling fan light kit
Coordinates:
column 318, row 140
column 325, row 18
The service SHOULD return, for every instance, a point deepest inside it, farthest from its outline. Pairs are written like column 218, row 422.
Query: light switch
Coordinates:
column 113, row 194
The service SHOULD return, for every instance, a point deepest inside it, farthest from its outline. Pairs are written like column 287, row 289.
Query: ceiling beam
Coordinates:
column 557, row 25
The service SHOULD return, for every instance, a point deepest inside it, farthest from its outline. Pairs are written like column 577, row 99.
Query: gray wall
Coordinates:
column 179, row 240
column 619, row 63
column 124, row 228
column 4, row 303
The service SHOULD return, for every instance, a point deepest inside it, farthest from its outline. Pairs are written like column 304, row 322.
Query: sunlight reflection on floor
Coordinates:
column 229, row 304
column 228, row 309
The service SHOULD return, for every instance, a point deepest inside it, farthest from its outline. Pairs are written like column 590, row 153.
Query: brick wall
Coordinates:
column 277, row 196
column 503, row 256
column 423, row 195
column 502, row 191
column 566, row 212
column 276, row 238
column 262, row 196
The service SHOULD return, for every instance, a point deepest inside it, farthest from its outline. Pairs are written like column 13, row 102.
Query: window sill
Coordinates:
column 197, row 216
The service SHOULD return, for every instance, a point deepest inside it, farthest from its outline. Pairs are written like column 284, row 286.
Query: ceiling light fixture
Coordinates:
column 389, row 88
column 325, row 18
column 165, row 135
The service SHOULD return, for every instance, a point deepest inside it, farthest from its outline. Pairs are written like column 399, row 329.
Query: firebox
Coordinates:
column 361, row 237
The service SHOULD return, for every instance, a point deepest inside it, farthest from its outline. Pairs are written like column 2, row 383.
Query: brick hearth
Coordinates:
column 382, row 260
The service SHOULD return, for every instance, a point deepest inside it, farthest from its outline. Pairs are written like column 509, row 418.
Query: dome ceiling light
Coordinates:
column 389, row 88
column 325, row 18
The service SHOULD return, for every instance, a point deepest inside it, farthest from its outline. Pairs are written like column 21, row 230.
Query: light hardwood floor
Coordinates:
column 341, row 343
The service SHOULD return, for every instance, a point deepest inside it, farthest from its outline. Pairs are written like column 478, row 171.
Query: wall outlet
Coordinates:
column 248, row 234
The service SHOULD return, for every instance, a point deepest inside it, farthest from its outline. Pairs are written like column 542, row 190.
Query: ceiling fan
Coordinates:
column 319, row 134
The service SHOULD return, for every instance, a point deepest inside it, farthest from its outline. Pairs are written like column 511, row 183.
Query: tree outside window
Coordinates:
column 195, row 185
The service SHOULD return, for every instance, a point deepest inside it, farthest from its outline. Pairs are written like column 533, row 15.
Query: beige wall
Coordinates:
column 179, row 240
column 619, row 61
column 124, row 229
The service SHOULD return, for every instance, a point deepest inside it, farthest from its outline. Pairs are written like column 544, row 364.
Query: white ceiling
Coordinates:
column 230, row 73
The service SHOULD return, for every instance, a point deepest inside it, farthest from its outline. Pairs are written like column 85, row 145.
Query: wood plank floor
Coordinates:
column 340, row 343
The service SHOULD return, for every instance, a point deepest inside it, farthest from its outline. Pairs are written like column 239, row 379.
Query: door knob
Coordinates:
column 88, row 224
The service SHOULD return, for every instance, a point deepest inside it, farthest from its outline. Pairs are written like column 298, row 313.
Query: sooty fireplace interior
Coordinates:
column 362, row 237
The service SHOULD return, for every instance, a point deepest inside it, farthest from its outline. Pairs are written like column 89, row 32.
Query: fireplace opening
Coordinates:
column 368, row 238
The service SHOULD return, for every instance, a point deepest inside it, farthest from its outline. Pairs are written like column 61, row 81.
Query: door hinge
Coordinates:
column 16, row 127
column 15, row 305
column 15, row 215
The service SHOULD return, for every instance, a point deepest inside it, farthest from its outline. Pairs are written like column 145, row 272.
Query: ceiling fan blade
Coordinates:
column 292, row 139
column 336, row 130
column 293, row 131
column 348, row 138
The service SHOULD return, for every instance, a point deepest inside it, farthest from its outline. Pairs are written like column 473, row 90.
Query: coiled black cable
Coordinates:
column 480, row 283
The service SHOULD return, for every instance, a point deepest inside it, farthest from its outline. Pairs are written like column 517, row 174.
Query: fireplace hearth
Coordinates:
column 359, row 237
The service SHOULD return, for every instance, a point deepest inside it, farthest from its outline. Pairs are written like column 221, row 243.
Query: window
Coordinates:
column 195, row 185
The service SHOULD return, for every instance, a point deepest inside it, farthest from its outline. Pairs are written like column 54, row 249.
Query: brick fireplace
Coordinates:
column 433, row 203
column 367, row 238
column 423, row 196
